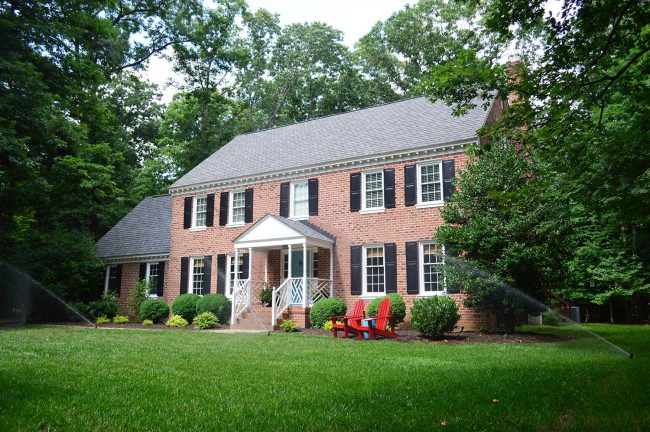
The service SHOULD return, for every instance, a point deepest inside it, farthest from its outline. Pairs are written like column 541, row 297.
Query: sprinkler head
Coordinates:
column 631, row 355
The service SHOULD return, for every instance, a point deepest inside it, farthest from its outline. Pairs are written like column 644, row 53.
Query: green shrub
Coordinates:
column 550, row 318
column 176, row 321
column 185, row 306
column 137, row 296
column 289, row 326
column 154, row 310
column 107, row 307
column 103, row 319
column 266, row 296
column 218, row 304
column 323, row 309
column 121, row 319
column 397, row 307
column 205, row 320
column 435, row 315
column 328, row 326
column 147, row 323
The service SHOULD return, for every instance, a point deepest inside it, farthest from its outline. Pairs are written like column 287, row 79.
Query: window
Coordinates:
column 231, row 273
column 200, row 211
column 374, row 281
column 431, row 262
column 152, row 279
column 299, row 200
column 237, row 207
column 110, row 284
column 196, row 276
column 430, row 183
column 373, row 190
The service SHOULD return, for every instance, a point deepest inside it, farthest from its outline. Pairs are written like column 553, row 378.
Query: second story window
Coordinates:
column 237, row 207
column 200, row 211
column 430, row 183
column 299, row 200
column 373, row 190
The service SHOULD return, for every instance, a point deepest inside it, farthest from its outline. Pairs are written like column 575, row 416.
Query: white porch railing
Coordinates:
column 241, row 298
column 318, row 289
column 280, row 301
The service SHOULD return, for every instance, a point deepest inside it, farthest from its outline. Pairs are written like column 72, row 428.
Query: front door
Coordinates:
column 297, row 266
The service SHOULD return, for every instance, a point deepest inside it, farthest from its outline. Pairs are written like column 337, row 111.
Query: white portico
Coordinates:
column 298, row 242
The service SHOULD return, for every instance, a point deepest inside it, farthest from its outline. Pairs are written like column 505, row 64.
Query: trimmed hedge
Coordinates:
column 154, row 310
column 176, row 321
column 205, row 320
column 218, row 304
column 397, row 307
column 434, row 316
column 185, row 306
column 323, row 309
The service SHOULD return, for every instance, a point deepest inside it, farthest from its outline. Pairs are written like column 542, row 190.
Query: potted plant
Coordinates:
column 266, row 296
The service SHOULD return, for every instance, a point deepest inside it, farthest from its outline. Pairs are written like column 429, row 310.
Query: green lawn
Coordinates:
column 114, row 380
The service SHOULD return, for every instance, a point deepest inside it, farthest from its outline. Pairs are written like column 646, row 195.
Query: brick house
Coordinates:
column 346, row 205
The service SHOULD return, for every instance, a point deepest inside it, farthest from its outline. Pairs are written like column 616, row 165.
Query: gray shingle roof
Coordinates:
column 145, row 230
column 383, row 129
column 307, row 229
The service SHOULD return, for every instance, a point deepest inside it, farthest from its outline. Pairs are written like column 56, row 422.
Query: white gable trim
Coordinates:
column 408, row 155
column 271, row 231
column 136, row 258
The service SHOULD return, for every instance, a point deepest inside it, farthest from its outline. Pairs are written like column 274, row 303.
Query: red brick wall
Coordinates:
column 130, row 277
column 397, row 225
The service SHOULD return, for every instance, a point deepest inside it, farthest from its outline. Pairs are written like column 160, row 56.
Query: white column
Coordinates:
column 304, row 275
column 266, row 269
column 234, row 297
column 250, row 276
column 236, row 272
column 289, row 263
column 331, row 272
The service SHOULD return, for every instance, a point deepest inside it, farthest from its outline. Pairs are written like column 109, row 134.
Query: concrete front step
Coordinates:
column 257, row 317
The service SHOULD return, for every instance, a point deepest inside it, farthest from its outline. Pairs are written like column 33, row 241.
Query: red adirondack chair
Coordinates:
column 349, row 324
column 379, row 328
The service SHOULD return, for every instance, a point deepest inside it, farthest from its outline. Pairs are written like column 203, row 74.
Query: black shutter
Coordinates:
column 313, row 197
column 355, row 270
column 355, row 192
column 244, row 269
column 221, row 274
column 389, row 188
column 160, row 283
column 209, row 216
column 390, row 266
column 223, row 208
column 410, row 189
column 450, row 251
column 207, row 274
column 187, row 213
column 143, row 271
column 118, row 279
column 185, row 267
column 248, row 205
column 284, row 199
column 412, row 268
column 448, row 173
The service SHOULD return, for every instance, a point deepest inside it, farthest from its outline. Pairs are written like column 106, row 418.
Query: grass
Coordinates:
column 54, row 378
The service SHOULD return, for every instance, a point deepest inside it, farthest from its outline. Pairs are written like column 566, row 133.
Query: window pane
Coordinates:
column 375, row 269
column 238, row 205
column 152, row 283
column 197, row 276
column 374, row 196
column 430, row 183
column 231, row 272
column 432, row 260
column 300, row 199
column 201, row 210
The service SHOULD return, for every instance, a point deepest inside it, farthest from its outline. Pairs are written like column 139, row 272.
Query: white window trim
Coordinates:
column 107, row 277
column 153, row 295
column 365, row 294
column 194, row 227
column 291, row 201
column 190, row 282
column 229, row 259
column 364, row 208
column 424, row 293
column 428, row 204
column 231, row 196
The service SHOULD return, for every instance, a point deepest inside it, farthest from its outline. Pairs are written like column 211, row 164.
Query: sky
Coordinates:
column 353, row 17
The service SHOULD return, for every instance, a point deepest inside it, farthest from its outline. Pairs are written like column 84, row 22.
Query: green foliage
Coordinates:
column 154, row 310
column 176, row 321
column 266, row 295
column 218, row 304
column 185, row 306
column 137, row 296
column 323, row 309
column 328, row 326
column 550, row 318
column 107, row 307
column 205, row 320
column 103, row 319
column 121, row 319
column 433, row 316
column 147, row 323
column 397, row 307
column 289, row 326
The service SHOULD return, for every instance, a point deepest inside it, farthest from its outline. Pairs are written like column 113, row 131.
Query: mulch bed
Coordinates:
column 137, row 326
column 517, row 337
